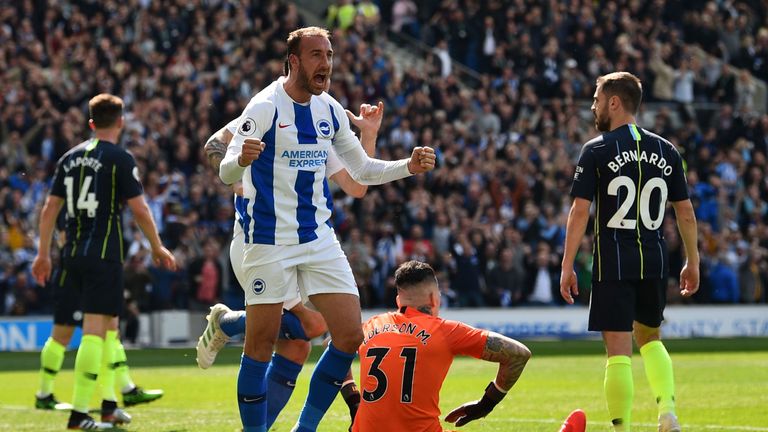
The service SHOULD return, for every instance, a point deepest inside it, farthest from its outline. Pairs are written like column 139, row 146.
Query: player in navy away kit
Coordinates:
column 67, row 314
column 92, row 181
column 631, row 173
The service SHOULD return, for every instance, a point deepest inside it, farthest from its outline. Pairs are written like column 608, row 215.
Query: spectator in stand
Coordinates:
column 507, row 280
column 543, row 277
column 723, row 281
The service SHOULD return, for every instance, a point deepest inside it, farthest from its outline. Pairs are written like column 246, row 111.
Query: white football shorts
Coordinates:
column 236, row 248
column 272, row 273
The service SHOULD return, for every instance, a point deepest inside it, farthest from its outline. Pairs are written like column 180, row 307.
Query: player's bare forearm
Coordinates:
column 368, row 141
column 511, row 356
column 686, row 224
column 348, row 184
column 48, row 215
column 144, row 220
column 576, row 226
column 369, row 122
column 216, row 147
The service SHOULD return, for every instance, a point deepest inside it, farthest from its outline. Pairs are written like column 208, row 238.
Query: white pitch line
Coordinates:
column 719, row 428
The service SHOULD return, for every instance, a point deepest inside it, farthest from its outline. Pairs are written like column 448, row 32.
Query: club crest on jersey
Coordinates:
column 324, row 128
column 248, row 127
column 258, row 286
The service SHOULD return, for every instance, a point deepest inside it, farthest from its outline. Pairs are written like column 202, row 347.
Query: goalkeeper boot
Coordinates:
column 138, row 396
column 213, row 338
column 576, row 422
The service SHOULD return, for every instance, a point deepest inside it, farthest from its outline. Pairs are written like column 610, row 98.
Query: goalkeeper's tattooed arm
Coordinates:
column 216, row 147
column 511, row 356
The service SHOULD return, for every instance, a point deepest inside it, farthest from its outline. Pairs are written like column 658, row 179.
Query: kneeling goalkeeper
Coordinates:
column 405, row 357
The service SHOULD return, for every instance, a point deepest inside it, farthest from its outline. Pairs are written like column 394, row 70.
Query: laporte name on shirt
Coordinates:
column 631, row 156
column 404, row 328
column 305, row 158
column 88, row 162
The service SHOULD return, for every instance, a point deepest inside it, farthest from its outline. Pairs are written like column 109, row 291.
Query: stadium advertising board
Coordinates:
column 28, row 334
column 571, row 322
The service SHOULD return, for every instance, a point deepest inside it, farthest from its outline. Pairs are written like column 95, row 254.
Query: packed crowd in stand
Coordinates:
column 490, row 218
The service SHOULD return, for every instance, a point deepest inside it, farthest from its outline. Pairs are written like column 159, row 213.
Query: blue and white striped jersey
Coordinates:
column 286, row 199
column 332, row 166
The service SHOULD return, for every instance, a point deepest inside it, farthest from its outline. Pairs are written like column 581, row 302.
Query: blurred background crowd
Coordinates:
column 502, row 92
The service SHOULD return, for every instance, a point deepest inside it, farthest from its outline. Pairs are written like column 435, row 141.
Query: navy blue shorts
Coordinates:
column 616, row 304
column 87, row 285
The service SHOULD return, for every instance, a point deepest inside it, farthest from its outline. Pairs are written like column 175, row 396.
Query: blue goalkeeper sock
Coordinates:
column 252, row 394
column 233, row 323
column 291, row 328
column 281, row 380
column 327, row 378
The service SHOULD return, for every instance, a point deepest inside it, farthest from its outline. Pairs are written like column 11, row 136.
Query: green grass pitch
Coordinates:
column 722, row 385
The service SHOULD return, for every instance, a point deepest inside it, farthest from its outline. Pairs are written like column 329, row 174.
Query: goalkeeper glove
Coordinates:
column 476, row 409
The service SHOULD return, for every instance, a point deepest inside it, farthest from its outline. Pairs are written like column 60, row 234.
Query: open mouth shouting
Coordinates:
column 319, row 79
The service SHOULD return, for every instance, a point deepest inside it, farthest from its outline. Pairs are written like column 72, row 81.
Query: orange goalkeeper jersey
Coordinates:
column 404, row 359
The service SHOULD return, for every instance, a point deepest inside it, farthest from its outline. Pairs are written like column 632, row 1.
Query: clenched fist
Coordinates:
column 251, row 151
column 422, row 160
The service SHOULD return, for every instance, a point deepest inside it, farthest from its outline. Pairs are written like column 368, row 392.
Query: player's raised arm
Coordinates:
column 370, row 171
column 216, row 147
column 512, row 357
column 369, row 122
column 246, row 146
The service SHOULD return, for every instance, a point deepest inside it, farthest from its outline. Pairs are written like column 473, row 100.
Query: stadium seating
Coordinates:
column 491, row 216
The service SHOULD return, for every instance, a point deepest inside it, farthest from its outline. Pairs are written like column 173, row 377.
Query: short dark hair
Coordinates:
column 413, row 273
column 624, row 85
column 105, row 109
column 294, row 40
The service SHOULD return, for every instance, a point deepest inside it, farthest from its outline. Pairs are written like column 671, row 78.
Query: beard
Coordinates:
column 602, row 122
column 306, row 82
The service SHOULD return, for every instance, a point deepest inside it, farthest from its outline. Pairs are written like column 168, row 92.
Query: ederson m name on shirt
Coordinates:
column 402, row 328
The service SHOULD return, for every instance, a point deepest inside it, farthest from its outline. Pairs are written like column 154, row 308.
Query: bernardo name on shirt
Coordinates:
column 631, row 156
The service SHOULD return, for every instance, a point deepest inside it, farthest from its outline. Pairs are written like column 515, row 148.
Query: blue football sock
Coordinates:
column 329, row 374
column 290, row 327
column 281, row 380
column 252, row 394
column 233, row 323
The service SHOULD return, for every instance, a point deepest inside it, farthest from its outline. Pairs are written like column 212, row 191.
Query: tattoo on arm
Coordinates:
column 215, row 149
column 511, row 356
